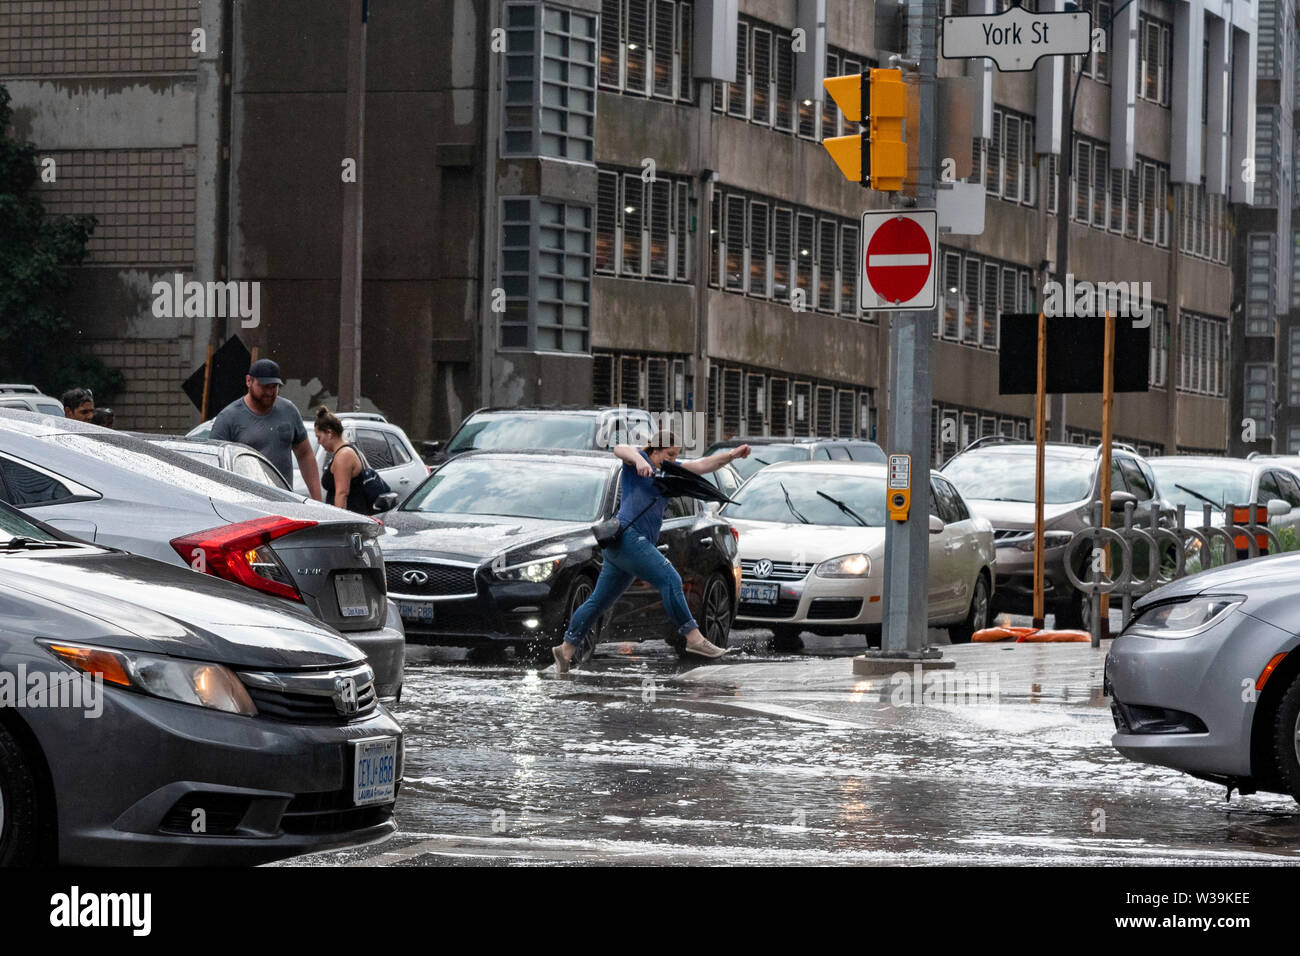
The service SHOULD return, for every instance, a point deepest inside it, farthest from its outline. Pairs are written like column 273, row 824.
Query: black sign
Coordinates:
column 229, row 367
column 1076, row 349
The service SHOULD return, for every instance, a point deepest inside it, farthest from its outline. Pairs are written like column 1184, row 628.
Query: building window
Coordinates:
column 549, row 107
column 1156, row 60
column 1159, row 346
column 1266, row 31
column 1203, row 354
column 1266, row 159
column 1293, row 368
column 1259, row 398
column 976, row 291
column 546, row 273
column 645, row 48
column 1097, row 63
column 1261, row 279
column 761, row 402
column 1203, row 228
column 1005, row 164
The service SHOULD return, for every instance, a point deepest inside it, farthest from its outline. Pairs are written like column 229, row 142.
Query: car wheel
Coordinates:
column 19, row 805
column 1286, row 739
column 977, row 617
column 539, row 650
column 715, row 615
column 786, row 638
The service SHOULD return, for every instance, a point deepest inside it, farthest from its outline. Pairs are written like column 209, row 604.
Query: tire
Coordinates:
column 785, row 637
column 977, row 616
column 1286, row 739
column 716, row 614
column 539, row 649
column 20, row 819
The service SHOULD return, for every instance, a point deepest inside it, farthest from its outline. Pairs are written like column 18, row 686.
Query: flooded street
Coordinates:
column 623, row 763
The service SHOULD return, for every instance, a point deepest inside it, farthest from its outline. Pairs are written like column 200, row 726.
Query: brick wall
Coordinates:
column 62, row 37
column 153, row 400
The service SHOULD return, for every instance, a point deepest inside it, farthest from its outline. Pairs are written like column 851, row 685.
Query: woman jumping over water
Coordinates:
column 635, row 555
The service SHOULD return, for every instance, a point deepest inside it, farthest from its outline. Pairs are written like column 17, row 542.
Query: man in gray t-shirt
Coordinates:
column 272, row 425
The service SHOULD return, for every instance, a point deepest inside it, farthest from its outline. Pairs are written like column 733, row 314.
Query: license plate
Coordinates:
column 374, row 771
column 759, row 593
column 423, row 613
column 352, row 595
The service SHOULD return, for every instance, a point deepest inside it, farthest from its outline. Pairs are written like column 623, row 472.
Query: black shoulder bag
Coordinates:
column 372, row 482
column 610, row 531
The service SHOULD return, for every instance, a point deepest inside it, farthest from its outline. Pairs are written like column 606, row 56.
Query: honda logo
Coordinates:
column 415, row 577
column 345, row 696
column 763, row 568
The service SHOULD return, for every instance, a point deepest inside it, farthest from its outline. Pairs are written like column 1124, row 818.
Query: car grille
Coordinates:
column 331, row 812
column 311, row 696
column 783, row 608
column 1000, row 533
column 831, row 609
column 781, row 571
column 444, row 580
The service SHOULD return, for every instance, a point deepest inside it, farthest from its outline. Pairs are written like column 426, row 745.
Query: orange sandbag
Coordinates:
column 1055, row 637
column 989, row 634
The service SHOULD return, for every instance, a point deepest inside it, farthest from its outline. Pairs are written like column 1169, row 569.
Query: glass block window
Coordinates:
column 1261, row 279
column 550, row 83
column 546, row 262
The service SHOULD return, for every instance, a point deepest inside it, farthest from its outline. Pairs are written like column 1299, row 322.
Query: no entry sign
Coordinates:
column 899, row 259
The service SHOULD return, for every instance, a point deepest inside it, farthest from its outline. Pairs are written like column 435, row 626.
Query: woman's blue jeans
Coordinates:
column 633, row 557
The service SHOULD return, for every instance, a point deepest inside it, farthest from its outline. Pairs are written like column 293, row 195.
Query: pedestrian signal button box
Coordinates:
column 899, row 488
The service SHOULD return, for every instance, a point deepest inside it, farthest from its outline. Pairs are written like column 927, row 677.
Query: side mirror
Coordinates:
column 936, row 524
column 1119, row 498
column 1277, row 507
column 385, row 502
column 430, row 447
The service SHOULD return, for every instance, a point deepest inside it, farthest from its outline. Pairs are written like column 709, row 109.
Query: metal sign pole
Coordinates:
column 1107, row 435
column 1040, row 439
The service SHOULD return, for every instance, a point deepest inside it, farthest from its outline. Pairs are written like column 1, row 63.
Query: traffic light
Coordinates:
column 877, row 156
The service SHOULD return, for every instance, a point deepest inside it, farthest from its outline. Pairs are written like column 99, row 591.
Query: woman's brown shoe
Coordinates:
column 706, row 649
column 561, row 662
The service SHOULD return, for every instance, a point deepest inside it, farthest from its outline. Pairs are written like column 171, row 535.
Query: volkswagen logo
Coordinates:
column 763, row 568
column 415, row 577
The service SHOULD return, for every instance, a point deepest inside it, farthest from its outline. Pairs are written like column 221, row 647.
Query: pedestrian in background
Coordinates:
column 78, row 403
column 103, row 416
column 271, row 424
column 635, row 555
column 340, row 480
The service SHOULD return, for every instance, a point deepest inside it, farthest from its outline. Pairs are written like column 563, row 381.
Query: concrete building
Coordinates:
column 628, row 201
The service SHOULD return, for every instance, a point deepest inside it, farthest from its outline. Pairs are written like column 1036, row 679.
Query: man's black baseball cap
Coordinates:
column 265, row 372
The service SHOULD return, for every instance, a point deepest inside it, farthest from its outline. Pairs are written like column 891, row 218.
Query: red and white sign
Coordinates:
column 900, row 252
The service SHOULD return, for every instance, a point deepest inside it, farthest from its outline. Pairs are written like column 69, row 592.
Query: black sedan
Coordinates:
column 496, row 548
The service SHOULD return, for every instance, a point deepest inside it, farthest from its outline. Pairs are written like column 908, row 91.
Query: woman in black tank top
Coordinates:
column 340, row 477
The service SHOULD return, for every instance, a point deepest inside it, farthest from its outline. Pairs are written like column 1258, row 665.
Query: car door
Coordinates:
column 1139, row 486
column 679, row 544
column 943, row 580
column 1272, row 485
column 374, row 445
column 964, row 553
column 408, row 470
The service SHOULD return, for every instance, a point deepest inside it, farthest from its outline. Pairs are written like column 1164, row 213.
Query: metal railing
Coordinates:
column 1167, row 550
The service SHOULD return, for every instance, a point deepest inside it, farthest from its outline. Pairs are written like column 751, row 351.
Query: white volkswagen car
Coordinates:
column 812, row 547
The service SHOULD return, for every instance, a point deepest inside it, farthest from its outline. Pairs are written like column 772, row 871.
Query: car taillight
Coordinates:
column 242, row 553
column 735, row 533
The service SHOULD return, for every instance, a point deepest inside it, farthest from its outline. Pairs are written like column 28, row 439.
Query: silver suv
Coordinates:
column 996, row 477
column 29, row 398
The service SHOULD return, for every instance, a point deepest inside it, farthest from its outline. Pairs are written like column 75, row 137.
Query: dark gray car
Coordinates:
column 112, row 489
column 149, row 715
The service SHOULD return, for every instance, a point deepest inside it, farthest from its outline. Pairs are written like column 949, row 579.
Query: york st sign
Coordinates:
column 1016, row 38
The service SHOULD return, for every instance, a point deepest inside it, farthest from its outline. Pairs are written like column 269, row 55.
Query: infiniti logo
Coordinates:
column 762, row 568
column 415, row 577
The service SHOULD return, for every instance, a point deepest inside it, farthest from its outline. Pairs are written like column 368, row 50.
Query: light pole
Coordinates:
column 350, row 270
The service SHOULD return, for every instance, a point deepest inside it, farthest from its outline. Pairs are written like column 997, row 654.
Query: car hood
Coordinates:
column 467, row 537
column 1012, row 515
column 803, row 543
column 132, row 603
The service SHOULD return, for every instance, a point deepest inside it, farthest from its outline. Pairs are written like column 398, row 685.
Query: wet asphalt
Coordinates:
column 619, row 764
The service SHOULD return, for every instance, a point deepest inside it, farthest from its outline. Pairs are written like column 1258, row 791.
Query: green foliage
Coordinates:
column 1286, row 537
column 38, row 343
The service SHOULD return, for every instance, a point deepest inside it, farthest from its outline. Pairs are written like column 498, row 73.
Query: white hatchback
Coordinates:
column 812, row 548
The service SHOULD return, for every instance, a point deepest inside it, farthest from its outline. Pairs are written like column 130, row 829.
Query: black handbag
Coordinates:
column 610, row 531
column 372, row 482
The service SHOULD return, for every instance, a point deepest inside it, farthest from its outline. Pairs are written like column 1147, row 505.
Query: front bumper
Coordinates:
column 129, row 781
column 1014, row 572
column 1208, row 677
column 832, row 603
column 385, row 649
column 499, row 613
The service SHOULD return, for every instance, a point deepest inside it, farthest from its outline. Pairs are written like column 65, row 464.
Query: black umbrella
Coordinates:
column 677, row 481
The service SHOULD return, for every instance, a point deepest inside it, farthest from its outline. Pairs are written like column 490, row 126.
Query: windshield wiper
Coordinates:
column 24, row 542
column 761, row 461
column 845, row 508
column 790, row 504
column 1216, row 505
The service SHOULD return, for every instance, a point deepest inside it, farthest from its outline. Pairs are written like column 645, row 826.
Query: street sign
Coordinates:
column 898, row 262
column 1075, row 355
column 1017, row 38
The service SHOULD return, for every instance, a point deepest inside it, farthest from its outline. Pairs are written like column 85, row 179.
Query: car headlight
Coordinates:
column 1051, row 539
column 845, row 566
column 1184, row 618
column 190, row 682
column 534, row 572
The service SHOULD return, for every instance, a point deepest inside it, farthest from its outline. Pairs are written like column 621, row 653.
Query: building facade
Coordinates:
column 628, row 201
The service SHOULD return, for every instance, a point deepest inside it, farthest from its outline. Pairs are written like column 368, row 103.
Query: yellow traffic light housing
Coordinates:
column 877, row 156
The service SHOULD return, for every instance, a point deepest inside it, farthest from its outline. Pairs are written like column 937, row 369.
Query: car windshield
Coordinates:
column 800, row 497
column 524, row 431
column 761, row 456
column 515, row 489
column 1010, row 477
column 15, row 526
column 1191, row 484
